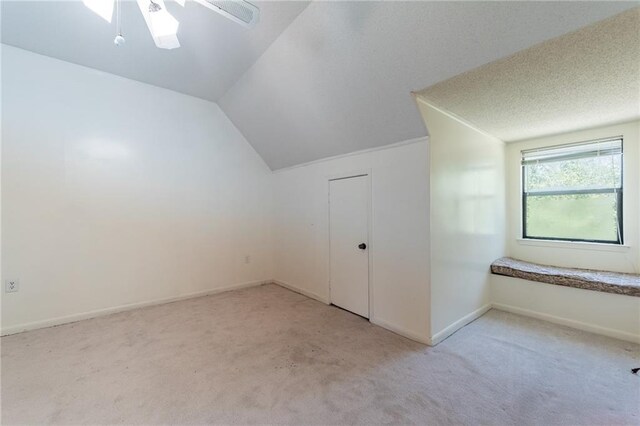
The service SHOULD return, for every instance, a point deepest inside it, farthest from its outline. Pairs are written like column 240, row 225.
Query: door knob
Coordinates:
column 362, row 246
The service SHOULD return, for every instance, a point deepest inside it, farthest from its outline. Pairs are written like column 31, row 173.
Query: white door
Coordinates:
column 349, row 251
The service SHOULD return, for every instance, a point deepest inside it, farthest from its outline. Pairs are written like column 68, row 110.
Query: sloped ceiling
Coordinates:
column 340, row 77
column 584, row 79
column 214, row 51
column 310, row 81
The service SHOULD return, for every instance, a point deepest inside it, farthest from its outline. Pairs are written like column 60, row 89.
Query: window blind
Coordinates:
column 574, row 192
column 576, row 151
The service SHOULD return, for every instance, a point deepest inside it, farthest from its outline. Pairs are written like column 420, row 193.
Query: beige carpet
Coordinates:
column 268, row 355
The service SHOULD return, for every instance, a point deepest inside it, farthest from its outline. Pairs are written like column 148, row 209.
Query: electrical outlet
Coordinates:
column 11, row 286
column 247, row 259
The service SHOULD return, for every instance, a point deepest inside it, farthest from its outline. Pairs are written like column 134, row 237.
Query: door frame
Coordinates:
column 370, row 243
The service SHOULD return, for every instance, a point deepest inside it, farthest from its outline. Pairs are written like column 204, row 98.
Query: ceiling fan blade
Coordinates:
column 162, row 25
column 239, row 11
column 102, row 8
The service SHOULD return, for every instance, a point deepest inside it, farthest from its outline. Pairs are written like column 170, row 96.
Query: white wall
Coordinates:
column 115, row 192
column 609, row 314
column 467, row 218
column 603, row 313
column 399, row 240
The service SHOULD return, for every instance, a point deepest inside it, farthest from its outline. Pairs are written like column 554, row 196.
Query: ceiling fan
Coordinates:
column 163, row 26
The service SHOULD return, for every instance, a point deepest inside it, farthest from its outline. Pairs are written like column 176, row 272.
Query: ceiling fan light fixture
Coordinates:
column 154, row 7
column 162, row 25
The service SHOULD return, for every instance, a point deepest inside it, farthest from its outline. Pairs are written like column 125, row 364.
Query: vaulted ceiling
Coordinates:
column 311, row 80
column 340, row 77
column 214, row 50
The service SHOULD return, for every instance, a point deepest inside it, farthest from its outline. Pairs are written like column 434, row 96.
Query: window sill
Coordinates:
column 576, row 245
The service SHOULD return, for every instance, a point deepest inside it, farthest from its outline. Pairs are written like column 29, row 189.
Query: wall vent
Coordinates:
column 240, row 11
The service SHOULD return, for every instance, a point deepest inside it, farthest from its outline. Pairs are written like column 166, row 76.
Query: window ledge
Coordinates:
column 577, row 245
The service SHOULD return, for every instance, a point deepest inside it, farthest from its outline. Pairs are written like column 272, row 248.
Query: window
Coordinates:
column 573, row 192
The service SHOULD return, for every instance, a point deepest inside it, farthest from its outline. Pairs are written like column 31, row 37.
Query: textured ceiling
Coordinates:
column 587, row 78
column 340, row 77
column 214, row 51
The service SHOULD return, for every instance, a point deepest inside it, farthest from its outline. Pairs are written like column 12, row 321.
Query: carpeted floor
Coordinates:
column 268, row 355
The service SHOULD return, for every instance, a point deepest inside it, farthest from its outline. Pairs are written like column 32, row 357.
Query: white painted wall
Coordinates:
column 398, row 243
column 115, row 193
column 613, row 315
column 119, row 194
column 466, row 220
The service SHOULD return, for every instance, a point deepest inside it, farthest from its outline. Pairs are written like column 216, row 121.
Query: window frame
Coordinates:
column 618, row 191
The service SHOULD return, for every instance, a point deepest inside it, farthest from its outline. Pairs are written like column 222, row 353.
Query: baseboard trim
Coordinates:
column 452, row 328
column 108, row 311
column 301, row 291
column 609, row 332
column 399, row 330
column 378, row 322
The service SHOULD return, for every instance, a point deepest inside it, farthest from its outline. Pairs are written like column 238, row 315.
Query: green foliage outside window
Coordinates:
column 574, row 199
